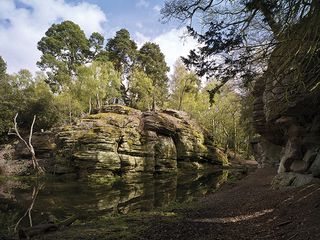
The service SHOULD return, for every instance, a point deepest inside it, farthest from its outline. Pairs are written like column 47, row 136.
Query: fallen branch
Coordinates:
column 293, row 236
column 284, row 223
column 27, row 233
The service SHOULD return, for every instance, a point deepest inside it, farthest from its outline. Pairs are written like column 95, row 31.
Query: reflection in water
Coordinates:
column 84, row 198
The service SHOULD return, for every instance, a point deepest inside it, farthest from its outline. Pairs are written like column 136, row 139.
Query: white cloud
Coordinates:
column 142, row 3
column 175, row 44
column 140, row 39
column 157, row 8
column 22, row 28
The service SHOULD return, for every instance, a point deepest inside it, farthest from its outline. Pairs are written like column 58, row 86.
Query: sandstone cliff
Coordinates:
column 286, row 106
column 123, row 141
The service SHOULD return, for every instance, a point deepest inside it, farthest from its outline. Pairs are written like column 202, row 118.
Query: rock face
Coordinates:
column 123, row 141
column 286, row 106
column 266, row 153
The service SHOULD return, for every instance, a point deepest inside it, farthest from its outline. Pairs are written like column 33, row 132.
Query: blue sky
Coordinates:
column 24, row 22
column 134, row 15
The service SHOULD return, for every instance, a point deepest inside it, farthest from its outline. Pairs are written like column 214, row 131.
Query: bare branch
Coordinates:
column 28, row 144
column 31, row 130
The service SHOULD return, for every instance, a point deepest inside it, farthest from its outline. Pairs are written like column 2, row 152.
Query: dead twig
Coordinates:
column 284, row 223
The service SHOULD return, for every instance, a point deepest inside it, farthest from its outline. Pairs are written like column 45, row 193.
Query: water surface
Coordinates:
column 54, row 198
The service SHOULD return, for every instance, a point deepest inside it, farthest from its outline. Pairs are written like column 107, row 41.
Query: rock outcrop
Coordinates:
column 286, row 106
column 123, row 141
column 265, row 153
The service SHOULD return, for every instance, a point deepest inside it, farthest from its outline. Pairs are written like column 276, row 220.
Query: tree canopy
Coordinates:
column 183, row 82
column 152, row 62
column 3, row 67
column 238, row 36
column 64, row 47
column 122, row 51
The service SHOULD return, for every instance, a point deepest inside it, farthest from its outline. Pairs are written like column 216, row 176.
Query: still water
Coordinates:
column 63, row 198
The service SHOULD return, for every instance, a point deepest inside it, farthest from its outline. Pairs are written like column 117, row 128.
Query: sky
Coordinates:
column 24, row 22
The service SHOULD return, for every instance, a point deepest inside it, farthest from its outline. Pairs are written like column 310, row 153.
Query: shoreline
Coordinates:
column 240, row 209
column 247, row 209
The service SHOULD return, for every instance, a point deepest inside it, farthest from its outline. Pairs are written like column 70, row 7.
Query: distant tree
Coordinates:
column 96, row 42
column 122, row 51
column 14, row 96
column 97, row 83
column 141, row 90
column 6, row 103
column 183, row 82
column 27, row 95
column 64, row 47
column 3, row 68
column 152, row 61
column 40, row 101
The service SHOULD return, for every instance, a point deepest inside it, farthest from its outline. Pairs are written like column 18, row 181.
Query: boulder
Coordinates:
column 315, row 167
column 290, row 179
column 266, row 153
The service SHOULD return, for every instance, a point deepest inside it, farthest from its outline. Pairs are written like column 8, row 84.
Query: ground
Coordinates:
column 247, row 209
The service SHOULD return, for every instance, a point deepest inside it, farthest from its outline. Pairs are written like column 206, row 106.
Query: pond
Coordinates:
column 58, row 198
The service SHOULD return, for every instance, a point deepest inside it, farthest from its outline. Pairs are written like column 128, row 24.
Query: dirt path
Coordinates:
column 248, row 209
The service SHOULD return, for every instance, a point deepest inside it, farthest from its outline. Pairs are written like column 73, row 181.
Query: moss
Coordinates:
column 106, row 178
column 98, row 116
column 113, row 227
column 222, row 158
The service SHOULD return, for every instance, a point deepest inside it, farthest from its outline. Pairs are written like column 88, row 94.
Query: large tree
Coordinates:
column 64, row 47
column 237, row 37
column 152, row 62
column 96, row 42
column 121, row 50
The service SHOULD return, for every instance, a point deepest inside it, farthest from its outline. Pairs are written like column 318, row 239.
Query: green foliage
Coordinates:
column 122, row 51
column 40, row 102
column 238, row 37
column 3, row 68
column 227, row 120
column 14, row 93
column 152, row 61
column 22, row 93
column 183, row 84
column 96, row 41
column 64, row 47
column 98, row 83
column 141, row 90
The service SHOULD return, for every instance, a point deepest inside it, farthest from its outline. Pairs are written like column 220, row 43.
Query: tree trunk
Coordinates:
column 153, row 103
column 98, row 102
column 90, row 106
